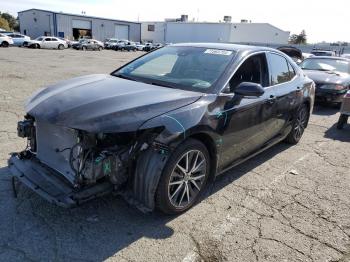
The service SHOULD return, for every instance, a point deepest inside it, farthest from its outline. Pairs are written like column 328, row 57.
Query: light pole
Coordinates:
column 49, row 23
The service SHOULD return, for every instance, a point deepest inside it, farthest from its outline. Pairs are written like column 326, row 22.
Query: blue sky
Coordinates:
column 328, row 21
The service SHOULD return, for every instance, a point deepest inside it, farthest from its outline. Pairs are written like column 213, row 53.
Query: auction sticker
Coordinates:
column 218, row 52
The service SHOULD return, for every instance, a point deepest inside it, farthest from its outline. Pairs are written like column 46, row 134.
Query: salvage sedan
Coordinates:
column 160, row 128
column 331, row 75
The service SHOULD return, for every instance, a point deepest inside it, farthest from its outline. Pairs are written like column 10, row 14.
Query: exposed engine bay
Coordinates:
column 82, row 159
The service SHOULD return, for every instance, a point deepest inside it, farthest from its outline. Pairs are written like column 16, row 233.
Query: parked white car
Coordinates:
column 18, row 39
column 47, row 42
column 5, row 40
column 140, row 46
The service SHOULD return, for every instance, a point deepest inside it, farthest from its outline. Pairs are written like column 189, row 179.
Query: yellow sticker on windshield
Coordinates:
column 218, row 52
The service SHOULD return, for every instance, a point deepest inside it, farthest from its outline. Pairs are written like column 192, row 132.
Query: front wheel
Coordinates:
column 184, row 177
column 60, row 47
column 5, row 44
column 83, row 48
column 100, row 48
column 299, row 125
column 343, row 119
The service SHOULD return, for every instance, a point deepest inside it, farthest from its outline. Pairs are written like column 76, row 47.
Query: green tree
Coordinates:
column 4, row 24
column 12, row 21
column 298, row 38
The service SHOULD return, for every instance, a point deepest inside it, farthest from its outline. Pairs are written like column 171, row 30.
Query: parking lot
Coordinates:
column 291, row 203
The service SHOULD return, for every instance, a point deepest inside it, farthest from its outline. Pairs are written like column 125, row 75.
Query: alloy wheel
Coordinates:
column 187, row 178
column 300, row 123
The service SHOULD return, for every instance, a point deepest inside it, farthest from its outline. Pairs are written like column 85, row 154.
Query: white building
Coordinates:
column 37, row 22
column 244, row 32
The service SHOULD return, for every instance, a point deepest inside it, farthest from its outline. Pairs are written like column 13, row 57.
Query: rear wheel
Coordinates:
column 83, row 48
column 100, row 48
column 299, row 125
column 184, row 177
column 60, row 47
column 5, row 44
column 343, row 119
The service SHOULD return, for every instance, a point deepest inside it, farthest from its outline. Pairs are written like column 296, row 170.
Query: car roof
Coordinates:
column 226, row 46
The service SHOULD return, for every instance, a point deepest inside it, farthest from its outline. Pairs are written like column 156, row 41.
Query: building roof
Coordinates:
column 85, row 16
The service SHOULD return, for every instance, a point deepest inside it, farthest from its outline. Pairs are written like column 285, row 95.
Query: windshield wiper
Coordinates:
column 160, row 84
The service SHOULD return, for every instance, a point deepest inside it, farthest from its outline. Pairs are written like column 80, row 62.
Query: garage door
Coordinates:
column 122, row 32
column 81, row 24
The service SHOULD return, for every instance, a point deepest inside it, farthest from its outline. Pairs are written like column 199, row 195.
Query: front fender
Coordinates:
column 174, row 128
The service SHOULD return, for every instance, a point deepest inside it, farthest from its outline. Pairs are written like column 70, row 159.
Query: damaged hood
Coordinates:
column 104, row 103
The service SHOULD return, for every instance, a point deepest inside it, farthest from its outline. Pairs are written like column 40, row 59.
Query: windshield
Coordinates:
column 190, row 68
column 323, row 64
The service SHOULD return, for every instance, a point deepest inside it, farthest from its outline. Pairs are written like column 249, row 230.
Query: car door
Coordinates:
column 245, row 122
column 46, row 43
column 285, row 83
column 54, row 42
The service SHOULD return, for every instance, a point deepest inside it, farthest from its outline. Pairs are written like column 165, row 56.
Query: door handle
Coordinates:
column 271, row 100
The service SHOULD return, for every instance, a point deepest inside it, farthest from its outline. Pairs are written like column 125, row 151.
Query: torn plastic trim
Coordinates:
column 50, row 185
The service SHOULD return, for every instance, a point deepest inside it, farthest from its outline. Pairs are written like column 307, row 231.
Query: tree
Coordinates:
column 298, row 38
column 12, row 21
column 4, row 24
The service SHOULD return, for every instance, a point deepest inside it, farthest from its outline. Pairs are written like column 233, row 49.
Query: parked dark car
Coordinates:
column 88, row 44
column 331, row 75
column 160, row 128
column 128, row 46
column 293, row 52
column 148, row 47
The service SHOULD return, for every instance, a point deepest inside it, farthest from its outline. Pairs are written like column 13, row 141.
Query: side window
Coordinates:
column 47, row 39
column 279, row 70
column 54, row 39
column 254, row 70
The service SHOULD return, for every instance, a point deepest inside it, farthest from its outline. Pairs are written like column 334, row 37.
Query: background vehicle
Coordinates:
column 319, row 52
column 148, row 47
column 292, row 52
column 331, row 76
column 129, row 46
column 108, row 44
column 5, row 41
column 139, row 46
column 117, row 46
column 47, row 42
column 18, row 39
column 344, row 111
column 204, row 109
column 88, row 44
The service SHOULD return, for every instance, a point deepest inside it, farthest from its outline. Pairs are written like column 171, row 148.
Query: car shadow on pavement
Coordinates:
column 236, row 172
column 94, row 231
column 342, row 135
column 325, row 110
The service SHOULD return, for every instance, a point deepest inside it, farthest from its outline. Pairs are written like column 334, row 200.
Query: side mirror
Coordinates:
column 249, row 89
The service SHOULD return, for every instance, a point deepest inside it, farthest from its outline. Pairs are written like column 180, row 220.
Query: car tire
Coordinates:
column 343, row 119
column 5, row 44
column 37, row 46
column 299, row 124
column 100, row 48
column 122, row 49
column 60, row 47
column 179, row 187
column 83, row 48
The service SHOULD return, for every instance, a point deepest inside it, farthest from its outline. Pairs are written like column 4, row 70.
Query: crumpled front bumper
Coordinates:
column 50, row 185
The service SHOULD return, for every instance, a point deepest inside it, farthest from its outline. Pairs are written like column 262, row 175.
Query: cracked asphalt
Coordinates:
column 290, row 203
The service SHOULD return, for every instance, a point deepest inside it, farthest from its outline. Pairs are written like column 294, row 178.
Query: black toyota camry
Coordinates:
column 160, row 128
